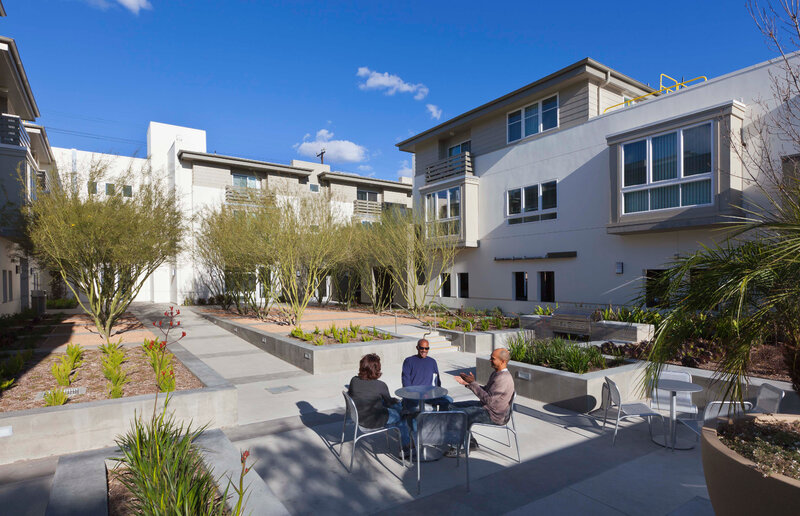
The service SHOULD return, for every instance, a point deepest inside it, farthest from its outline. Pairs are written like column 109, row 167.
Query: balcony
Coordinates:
column 369, row 208
column 243, row 195
column 458, row 165
column 12, row 132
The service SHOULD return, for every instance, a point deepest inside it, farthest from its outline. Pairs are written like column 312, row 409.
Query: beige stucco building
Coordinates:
column 573, row 189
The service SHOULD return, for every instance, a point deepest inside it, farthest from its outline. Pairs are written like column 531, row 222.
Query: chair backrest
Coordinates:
column 613, row 392
column 350, row 408
column 510, row 413
column 769, row 398
column 661, row 397
column 447, row 427
column 716, row 409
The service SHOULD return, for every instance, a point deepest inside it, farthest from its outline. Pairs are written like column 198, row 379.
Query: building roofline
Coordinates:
column 43, row 132
column 491, row 105
column 218, row 159
column 352, row 178
column 2, row 9
column 26, row 87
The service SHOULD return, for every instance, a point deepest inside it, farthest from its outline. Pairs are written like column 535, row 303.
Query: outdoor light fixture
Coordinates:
column 619, row 268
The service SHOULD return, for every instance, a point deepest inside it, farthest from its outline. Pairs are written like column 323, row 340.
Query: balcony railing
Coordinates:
column 12, row 132
column 457, row 165
column 244, row 195
column 367, row 207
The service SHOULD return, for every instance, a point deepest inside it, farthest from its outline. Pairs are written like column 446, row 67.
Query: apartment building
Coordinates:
column 580, row 186
column 25, row 158
column 203, row 180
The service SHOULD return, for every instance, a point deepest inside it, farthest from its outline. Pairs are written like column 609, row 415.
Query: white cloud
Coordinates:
column 335, row 150
column 365, row 168
column 405, row 170
column 133, row 6
column 390, row 83
column 434, row 110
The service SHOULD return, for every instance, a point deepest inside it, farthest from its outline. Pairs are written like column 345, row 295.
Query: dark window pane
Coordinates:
column 532, row 198
column 455, row 202
column 445, row 285
column 664, row 197
column 92, row 187
column 531, row 119
column 441, row 204
column 514, row 201
column 463, row 285
column 549, row 198
column 653, row 290
column 636, row 201
column 635, row 171
column 127, row 191
column 521, row 286
column 109, row 188
column 515, row 126
column 549, row 113
column 517, row 220
column 547, row 288
column 532, row 218
column 697, row 150
column 466, row 146
column 665, row 157
column 698, row 192
column 549, row 216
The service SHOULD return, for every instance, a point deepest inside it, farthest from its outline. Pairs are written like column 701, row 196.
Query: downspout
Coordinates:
column 602, row 85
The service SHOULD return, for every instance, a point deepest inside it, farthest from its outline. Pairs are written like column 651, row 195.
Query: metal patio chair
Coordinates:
column 626, row 410
column 713, row 410
column 440, row 428
column 683, row 400
column 359, row 432
column 510, row 426
column 769, row 399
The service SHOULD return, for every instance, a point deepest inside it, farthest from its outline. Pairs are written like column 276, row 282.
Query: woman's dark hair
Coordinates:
column 370, row 367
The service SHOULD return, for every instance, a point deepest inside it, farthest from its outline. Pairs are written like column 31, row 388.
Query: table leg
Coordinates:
column 672, row 422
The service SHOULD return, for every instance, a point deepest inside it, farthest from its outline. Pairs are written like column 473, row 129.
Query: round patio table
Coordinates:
column 423, row 393
column 674, row 387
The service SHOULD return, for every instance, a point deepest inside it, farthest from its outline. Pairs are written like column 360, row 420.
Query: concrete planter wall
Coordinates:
column 736, row 487
column 317, row 359
column 600, row 330
column 77, row 427
column 576, row 392
column 479, row 342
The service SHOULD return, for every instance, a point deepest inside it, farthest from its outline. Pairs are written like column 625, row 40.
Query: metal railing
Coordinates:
column 12, row 132
column 449, row 167
column 666, row 89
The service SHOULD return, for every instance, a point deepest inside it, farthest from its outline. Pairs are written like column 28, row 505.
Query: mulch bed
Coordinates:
column 36, row 377
column 772, row 444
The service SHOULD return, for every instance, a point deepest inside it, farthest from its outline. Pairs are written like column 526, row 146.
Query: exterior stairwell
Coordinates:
column 439, row 343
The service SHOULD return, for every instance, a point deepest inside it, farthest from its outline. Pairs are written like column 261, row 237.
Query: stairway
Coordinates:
column 439, row 343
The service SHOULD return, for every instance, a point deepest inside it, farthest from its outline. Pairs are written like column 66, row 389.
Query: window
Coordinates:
column 521, row 286
column 245, row 181
column 10, row 286
column 666, row 171
column 364, row 195
column 127, row 191
column 444, row 207
column 109, row 188
column 313, row 187
column 455, row 150
column 547, row 288
column 5, row 287
column 532, row 203
column 534, row 119
column 463, row 285
column 92, row 187
column 445, row 290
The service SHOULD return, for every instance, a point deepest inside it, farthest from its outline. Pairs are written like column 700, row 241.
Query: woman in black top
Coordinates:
column 376, row 407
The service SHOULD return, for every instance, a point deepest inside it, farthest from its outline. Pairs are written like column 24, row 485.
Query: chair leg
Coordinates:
column 616, row 428
column 344, row 426
column 650, row 426
column 418, row 467
column 353, row 455
column 467, row 468
column 605, row 417
column 608, row 404
column 516, row 441
column 399, row 443
column 664, row 427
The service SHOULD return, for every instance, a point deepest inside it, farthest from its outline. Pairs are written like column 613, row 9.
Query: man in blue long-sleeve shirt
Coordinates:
column 420, row 369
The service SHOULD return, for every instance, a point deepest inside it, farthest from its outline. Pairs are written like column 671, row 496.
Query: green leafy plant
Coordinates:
column 366, row 338
column 62, row 371
column 55, row 397
column 318, row 341
column 484, row 324
column 75, row 354
column 163, row 468
column 555, row 353
column 6, row 383
column 296, row 332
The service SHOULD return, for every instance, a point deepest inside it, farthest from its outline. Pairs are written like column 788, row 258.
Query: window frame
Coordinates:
column 517, row 296
column 522, row 109
column 127, row 191
column 256, row 179
column 460, row 150
column 460, row 290
column 435, row 208
column 445, row 279
column 538, row 211
column 552, row 286
column 681, row 178
column 360, row 190
column 112, row 187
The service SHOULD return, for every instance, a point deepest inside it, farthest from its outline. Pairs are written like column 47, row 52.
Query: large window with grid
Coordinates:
column 444, row 208
column 532, row 203
column 669, row 170
column 533, row 119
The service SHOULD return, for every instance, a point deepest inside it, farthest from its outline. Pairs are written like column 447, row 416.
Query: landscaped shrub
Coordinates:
column 55, row 397
column 61, row 304
column 156, row 350
column 113, row 358
column 62, row 371
column 555, row 353
column 75, row 354
column 10, row 368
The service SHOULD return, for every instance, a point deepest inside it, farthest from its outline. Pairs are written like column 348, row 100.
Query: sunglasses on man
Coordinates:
column 423, row 349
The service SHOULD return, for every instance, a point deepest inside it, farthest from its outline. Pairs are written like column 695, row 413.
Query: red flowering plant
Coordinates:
column 156, row 350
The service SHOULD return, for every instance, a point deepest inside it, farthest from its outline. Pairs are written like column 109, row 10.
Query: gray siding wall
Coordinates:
column 214, row 177
column 425, row 154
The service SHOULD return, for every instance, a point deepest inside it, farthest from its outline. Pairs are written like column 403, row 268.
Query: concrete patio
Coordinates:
column 291, row 422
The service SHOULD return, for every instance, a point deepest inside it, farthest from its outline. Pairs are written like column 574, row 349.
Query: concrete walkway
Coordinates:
column 291, row 422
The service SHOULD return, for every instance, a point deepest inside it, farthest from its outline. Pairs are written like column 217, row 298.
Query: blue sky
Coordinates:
column 271, row 81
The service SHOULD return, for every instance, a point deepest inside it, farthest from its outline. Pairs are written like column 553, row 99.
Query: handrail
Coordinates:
column 662, row 90
column 661, row 80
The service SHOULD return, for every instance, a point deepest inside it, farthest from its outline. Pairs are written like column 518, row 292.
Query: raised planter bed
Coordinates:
column 317, row 359
column 479, row 342
column 577, row 392
column 41, row 432
column 599, row 330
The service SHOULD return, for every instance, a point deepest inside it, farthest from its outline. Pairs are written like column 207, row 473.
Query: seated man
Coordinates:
column 420, row 369
column 494, row 398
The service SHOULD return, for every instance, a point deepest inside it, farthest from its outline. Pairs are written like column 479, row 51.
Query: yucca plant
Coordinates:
column 62, row 370
column 55, row 397
column 75, row 355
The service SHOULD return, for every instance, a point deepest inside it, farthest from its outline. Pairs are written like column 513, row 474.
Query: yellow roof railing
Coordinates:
column 663, row 89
